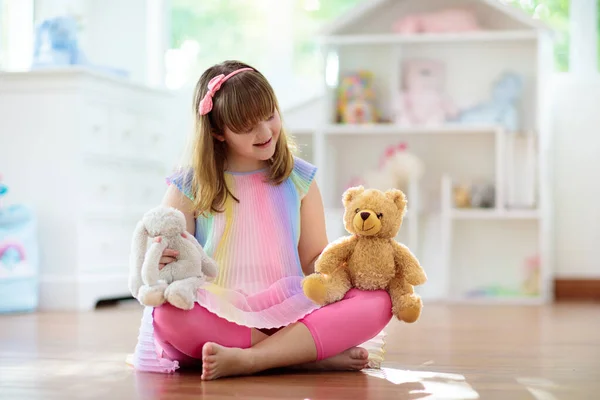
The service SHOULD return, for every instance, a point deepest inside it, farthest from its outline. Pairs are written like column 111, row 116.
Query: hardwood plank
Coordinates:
column 452, row 352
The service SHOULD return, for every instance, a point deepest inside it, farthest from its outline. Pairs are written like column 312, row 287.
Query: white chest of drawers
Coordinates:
column 89, row 153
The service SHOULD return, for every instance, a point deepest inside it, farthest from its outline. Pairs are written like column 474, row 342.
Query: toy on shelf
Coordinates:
column 483, row 195
column 476, row 195
column 494, row 291
column 443, row 21
column 531, row 285
column 423, row 100
column 462, row 196
column 356, row 99
column 397, row 168
column 18, row 258
column 57, row 45
column 3, row 191
column 178, row 281
column 369, row 258
column 502, row 108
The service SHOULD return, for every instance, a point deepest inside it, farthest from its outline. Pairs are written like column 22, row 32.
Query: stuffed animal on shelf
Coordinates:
column 397, row 168
column 462, row 196
column 3, row 190
column 531, row 285
column 502, row 108
column 370, row 258
column 423, row 100
column 476, row 195
column 444, row 21
column 178, row 281
column 483, row 195
column 356, row 99
column 57, row 44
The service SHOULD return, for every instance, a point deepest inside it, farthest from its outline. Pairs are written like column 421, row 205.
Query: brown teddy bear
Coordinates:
column 369, row 259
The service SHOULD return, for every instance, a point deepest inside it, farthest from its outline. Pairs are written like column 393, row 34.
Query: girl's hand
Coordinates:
column 168, row 256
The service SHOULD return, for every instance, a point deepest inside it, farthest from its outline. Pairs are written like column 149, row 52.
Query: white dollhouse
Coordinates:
column 488, row 61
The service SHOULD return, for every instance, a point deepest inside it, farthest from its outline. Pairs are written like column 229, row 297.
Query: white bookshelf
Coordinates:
column 464, row 251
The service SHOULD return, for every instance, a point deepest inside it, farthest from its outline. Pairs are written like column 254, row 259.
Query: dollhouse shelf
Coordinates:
column 472, row 255
column 391, row 38
column 393, row 129
column 483, row 214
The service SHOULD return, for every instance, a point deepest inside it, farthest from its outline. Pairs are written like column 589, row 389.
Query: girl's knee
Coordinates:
column 171, row 321
column 374, row 306
column 377, row 298
column 167, row 315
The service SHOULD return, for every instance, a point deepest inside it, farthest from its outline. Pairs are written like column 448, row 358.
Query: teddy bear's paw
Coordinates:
column 152, row 296
column 409, row 309
column 314, row 288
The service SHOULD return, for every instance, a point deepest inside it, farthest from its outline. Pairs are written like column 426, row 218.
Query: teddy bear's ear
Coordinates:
column 398, row 197
column 351, row 193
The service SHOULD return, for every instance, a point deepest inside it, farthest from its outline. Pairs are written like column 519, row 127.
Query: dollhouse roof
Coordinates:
column 389, row 10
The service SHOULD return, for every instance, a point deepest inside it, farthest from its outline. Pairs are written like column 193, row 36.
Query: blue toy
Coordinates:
column 3, row 191
column 18, row 258
column 56, row 43
column 502, row 108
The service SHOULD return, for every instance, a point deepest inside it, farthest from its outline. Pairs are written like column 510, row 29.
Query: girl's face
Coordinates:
column 254, row 146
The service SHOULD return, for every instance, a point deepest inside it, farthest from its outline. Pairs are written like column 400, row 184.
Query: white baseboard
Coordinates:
column 80, row 293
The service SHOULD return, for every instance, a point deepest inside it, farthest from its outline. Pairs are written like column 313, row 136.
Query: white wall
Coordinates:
column 576, row 166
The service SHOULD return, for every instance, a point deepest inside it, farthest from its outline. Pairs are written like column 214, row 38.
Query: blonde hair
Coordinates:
column 241, row 102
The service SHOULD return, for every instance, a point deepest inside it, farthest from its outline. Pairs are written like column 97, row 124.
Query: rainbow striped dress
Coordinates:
column 255, row 243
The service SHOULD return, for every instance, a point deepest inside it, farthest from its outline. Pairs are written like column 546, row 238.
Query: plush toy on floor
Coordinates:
column 369, row 259
column 178, row 281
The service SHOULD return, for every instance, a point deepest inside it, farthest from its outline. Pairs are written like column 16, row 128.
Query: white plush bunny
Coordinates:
column 178, row 281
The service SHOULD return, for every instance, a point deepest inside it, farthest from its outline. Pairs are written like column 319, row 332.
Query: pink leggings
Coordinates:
column 355, row 319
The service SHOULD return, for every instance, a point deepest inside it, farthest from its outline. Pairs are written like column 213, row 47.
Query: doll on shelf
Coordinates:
column 356, row 99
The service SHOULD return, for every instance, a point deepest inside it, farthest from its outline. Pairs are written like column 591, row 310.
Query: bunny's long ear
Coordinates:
column 136, row 258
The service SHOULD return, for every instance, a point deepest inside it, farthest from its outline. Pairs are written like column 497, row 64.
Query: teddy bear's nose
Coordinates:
column 365, row 215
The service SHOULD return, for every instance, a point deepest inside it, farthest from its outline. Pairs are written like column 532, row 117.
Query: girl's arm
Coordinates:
column 176, row 199
column 313, row 235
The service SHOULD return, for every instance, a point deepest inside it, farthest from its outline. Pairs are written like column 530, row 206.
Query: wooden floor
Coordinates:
column 453, row 352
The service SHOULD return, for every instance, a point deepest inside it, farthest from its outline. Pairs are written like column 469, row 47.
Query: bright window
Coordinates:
column 556, row 14
column 275, row 36
column 16, row 34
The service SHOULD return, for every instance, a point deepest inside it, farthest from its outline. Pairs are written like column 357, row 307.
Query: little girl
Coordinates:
column 257, row 211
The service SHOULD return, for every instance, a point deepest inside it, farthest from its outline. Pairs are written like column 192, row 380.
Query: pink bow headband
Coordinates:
column 215, row 84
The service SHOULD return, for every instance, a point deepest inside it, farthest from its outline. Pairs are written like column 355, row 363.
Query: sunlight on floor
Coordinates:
column 538, row 387
column 429, row 384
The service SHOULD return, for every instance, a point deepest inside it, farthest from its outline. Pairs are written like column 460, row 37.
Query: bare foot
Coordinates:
column 219, row 361
column 353, row 359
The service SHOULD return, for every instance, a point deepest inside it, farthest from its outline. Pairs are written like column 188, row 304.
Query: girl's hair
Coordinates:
column 242, row 101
